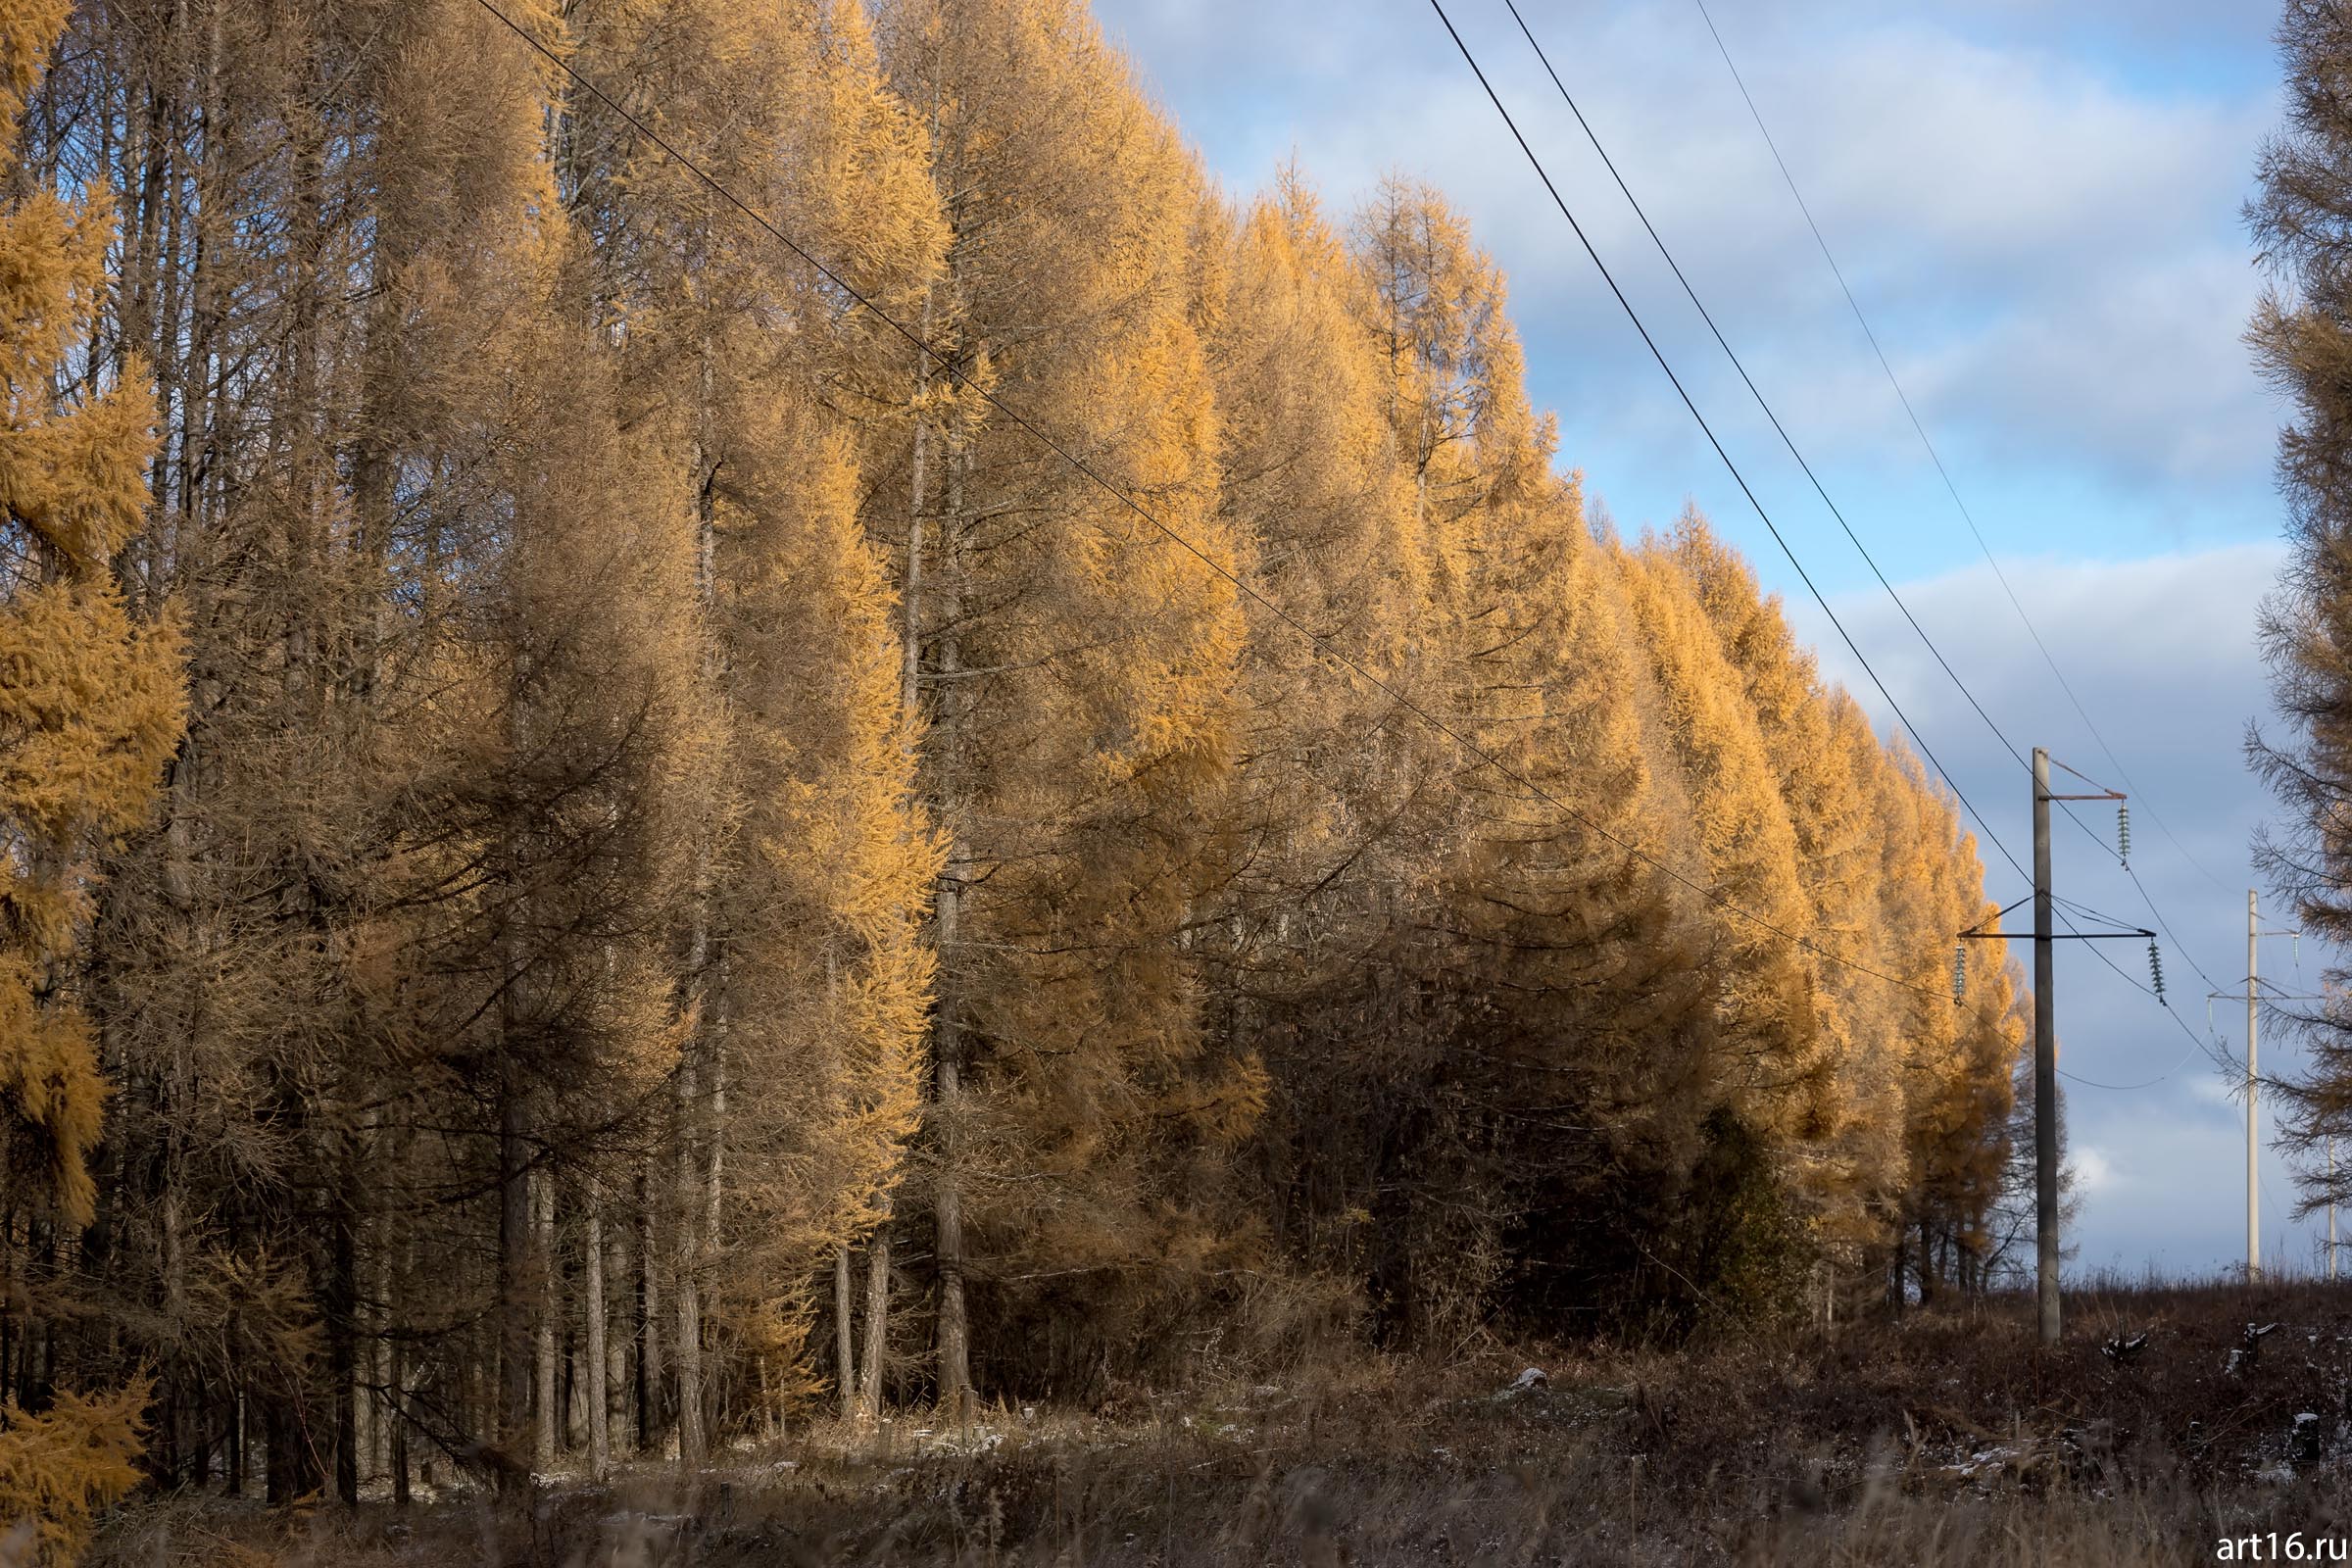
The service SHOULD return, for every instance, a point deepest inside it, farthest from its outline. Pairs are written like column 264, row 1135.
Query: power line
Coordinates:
column 2136, row 984
column 1708, row 430
column 1818, row 598
column 1667, row 254
column 2060, row 905
column 1321, row 643
column 1755, row 392
column 2089, row 914
column 1819, row 489
column 2166, row 926
column 1848, row 527
column 1786, row 441
column 2194, row 1046
column 1936, row 459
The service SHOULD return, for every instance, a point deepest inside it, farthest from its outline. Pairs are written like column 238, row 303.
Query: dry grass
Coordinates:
column 1940, row 1439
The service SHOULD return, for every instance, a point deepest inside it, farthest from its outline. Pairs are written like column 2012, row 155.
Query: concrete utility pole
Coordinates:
column 2046, row 1038
column 2045, row 1062
column 2253, row 999
column 2253, row 1176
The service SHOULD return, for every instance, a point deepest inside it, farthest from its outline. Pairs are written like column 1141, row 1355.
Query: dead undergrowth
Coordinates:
column 1941, row 1438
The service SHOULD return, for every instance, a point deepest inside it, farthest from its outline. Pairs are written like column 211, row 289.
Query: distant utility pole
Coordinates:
column 2253, row 1170
column 2045, row 1039
column 2045, row 1062
column 2254, row 936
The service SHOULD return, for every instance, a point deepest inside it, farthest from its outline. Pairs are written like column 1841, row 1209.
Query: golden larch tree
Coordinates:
column 90, row 708
column 90, row 698
column 1075, row 668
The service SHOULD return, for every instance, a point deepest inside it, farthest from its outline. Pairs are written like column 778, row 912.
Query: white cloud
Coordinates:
column 2049, row 251
column 2093, row 1171
column 2217, row 1089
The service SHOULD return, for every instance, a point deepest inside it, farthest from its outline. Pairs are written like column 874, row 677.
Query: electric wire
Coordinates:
column 1818, row 598
column 1708, row 430
column 2208, row 1045
column 1755, row 392
column 1666, row 254
column 1936, row 457
column 2194, row 1046
column 2166, row 926
column 2078, row 907
column 1771, row 415
column 951, row 368
column 2066, row 910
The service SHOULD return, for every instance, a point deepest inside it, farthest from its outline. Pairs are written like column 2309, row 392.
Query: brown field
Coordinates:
column 1940, row 1437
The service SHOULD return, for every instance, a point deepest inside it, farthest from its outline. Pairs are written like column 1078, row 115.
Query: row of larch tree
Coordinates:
column 604, row 855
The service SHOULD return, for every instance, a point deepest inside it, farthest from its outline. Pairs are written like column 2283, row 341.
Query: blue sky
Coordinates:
column 2038, row 207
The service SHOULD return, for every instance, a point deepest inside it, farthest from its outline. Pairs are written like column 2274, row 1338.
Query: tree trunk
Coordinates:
column 397, row 1461
column 947, row 1209
column 694, row 1207
column 384, row 1413
column 233, row 1421
column 515, row 1276
column 592, row 1307
column 954, row 1339
column 396, row 1377
column 342, row 1325
column 845, row 1360
column 648, row 1318
column 877, row 1326
column 293, row 1458
column 690, row 1303
column 544, row 1288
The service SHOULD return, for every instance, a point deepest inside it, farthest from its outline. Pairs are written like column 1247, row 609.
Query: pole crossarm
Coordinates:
column 1971, row 931
column 2105, row 794
column 2269, row 991
column 2067, row 936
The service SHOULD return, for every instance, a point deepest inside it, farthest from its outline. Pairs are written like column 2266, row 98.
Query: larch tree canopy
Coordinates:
column 91, row 708
column 2301, row 334
column 608, row 857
